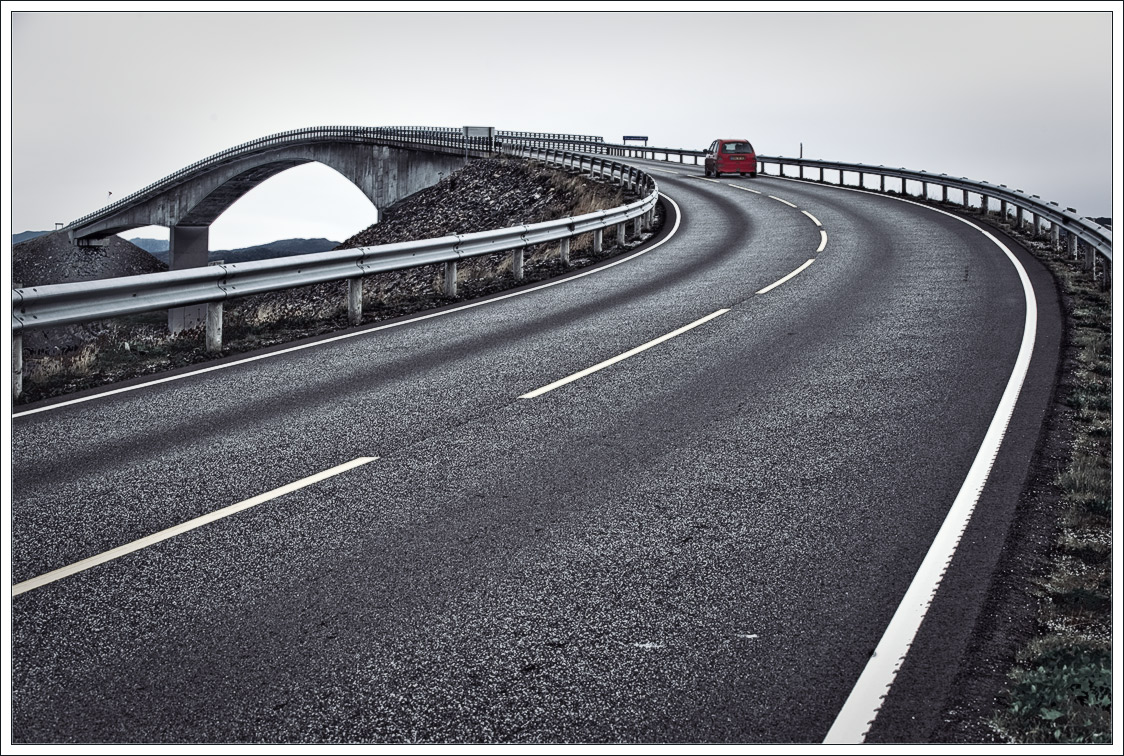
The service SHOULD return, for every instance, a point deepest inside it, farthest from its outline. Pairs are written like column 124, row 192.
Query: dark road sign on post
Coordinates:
column 487, row 132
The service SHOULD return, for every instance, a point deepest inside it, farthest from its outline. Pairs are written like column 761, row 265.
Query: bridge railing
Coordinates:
column 598, row 145
column 62, row 304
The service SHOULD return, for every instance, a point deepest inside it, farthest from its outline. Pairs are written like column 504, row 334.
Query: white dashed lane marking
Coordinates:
column 163, row 535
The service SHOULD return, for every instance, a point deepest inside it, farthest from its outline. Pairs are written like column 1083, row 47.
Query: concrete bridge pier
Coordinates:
column 188, row 247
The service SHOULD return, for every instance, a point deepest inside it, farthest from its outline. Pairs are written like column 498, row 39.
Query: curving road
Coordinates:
column 702, row 542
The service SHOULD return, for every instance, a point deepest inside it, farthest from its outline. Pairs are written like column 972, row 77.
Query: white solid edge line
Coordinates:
column 778, row 199
column 791, row 275
column 623, row 356
column 823, row 241
column 468, row 306
column 814, row 219
column 163, row 535
column 863, row 704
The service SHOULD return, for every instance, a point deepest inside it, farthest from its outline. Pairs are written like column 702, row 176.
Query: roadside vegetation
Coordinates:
column 1060, row 689
column 1059, row 686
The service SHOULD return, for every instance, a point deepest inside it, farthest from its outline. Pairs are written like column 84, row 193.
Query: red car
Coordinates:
column 730, row 156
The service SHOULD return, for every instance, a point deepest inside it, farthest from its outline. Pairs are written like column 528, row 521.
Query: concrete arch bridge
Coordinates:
column 385, row 163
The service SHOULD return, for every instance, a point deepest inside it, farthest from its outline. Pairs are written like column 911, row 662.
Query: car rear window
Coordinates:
column 737, row 147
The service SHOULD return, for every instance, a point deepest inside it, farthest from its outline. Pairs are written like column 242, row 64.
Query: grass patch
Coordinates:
column 1088, row 476
column 1061, row 693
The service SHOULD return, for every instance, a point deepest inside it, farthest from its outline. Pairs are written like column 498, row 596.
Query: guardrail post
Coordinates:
column 964, row 192
column 1090, row 259
column 637, row 229
column 214, row 327
column 17, row 365
column 451, row 278
column 1019, row 218
column 983, row 205
column 1055, row 237
column 944, row 193
column 354, row 301
column 801, row 171
column 564, row 250
column 620, row 234
column 1036, row 221
column 517, row 264
column 882, row 183
column 598, row 241
column 1003, row 210
column 1071, row 243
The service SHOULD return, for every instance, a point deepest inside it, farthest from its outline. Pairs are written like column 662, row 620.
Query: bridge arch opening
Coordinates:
column 148, row 234
column 309, row 201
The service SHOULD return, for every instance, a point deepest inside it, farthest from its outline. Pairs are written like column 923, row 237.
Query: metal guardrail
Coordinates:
column 1086, row 231
column 62, row 304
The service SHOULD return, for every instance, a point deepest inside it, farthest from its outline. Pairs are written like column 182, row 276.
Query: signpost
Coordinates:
column 487, row 132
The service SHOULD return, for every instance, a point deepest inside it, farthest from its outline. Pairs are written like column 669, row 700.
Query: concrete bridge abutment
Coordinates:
column 188, row 247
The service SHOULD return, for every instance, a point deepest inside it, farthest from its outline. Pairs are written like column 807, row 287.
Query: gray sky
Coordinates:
column 112, row 101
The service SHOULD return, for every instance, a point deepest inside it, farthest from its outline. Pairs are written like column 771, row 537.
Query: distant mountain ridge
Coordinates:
column 155, row 247
column 158, row 248
column 25, row 235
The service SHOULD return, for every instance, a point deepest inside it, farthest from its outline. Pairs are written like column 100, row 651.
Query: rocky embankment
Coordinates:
column 52, row 259
column 486, row 194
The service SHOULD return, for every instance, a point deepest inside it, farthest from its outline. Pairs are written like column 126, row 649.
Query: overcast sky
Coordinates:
column 112, row 101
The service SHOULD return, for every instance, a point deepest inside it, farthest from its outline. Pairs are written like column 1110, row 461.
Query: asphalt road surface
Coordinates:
column 700, row 543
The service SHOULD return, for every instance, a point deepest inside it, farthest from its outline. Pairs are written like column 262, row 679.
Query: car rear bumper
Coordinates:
column 738, row 166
